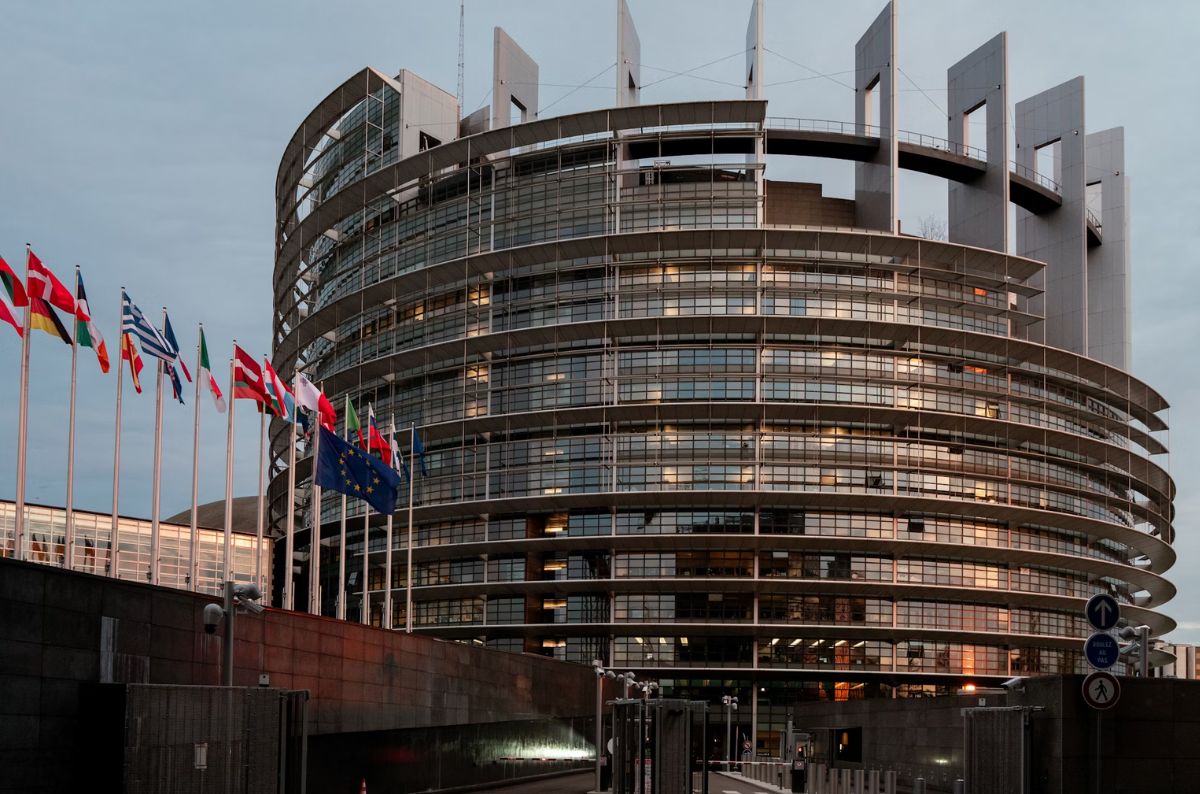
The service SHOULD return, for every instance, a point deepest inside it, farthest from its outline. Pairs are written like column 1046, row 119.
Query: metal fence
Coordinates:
column 198, row 739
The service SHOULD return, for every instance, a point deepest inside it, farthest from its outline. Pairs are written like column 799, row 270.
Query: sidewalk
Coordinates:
column 745, row 783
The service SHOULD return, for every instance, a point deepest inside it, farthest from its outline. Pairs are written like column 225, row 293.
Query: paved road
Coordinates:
column 578, row 783
column 581, row 783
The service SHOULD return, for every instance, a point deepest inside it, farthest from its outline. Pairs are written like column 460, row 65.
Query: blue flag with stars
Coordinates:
column 344, row 468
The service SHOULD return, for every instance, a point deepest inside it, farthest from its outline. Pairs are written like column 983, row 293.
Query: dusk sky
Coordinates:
column 140, row 141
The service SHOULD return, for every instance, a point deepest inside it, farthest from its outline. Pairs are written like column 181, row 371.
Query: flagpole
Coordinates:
column 365, row 617
column 22, row 441
column 288, row 583
column 192, row 577
column 69, row 539
column 387, row 559
column 155, row 485
column 114, row 549
column 227, row 571
column 314, row 540
column 341, row 610
column 412, row 478
column 262, row 462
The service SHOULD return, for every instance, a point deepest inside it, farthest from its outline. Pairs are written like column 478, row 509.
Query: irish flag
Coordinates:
column 86, row 332
column 206, row 375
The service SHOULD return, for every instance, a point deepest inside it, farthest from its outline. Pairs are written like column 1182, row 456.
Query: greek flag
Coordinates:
column 152, row 342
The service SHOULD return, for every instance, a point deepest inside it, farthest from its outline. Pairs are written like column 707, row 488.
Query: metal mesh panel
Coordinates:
column 195, row 740
column 994, row 746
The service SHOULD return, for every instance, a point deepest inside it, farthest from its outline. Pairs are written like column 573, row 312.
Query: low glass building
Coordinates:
column 46, row 530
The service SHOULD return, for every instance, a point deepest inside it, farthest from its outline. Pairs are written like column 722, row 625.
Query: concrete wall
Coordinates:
column 915, row 737
column 1149, row 741
column 801, row 204
column 59, row 630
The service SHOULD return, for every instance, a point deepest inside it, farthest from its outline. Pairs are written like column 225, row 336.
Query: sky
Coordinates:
column 139, row 140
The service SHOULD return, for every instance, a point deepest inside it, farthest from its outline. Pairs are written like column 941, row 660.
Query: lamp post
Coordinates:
column 730, row 704
column 244, row 595
column 601, row 674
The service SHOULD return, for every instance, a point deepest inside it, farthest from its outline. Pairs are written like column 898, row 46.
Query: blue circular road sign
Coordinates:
column 1102, row 611
column 1102, row 651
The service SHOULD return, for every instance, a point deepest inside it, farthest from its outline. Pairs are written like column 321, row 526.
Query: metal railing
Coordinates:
column 941, row 144
column 1035, row 177
column 1093, row 219
column 907, row 136
column 822, row 125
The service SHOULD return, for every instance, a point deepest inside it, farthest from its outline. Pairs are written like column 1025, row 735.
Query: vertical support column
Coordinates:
column 629, row 59
column 875, row 74
column 754, row 86
column 1058, row 236
column 514, row 81
column 1108, row 271
column 979, row 209
column 754, row 52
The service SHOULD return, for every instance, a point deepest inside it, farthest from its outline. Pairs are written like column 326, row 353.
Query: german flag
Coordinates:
column 44, row 318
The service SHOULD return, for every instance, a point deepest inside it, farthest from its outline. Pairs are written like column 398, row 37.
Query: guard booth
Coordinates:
column 658, row 746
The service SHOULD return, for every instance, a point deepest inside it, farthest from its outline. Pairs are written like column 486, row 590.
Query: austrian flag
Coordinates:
column 247, row 378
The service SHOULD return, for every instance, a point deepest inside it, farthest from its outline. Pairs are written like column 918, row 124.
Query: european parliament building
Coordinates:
column 721, row 429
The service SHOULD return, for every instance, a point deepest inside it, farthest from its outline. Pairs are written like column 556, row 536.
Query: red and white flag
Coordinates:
column 308, row 396
column 247, row 378
column 43, row 284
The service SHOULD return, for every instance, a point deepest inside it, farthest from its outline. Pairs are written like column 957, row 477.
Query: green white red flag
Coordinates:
column 206, row 375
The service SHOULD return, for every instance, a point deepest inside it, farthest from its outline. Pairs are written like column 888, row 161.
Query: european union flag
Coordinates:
column 343, row 468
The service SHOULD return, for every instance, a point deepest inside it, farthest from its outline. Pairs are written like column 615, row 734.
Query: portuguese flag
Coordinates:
column 206, row 375
column 12, row 297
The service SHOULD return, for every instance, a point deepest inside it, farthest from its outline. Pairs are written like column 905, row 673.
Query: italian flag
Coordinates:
column 206, row 375
column 353, row 424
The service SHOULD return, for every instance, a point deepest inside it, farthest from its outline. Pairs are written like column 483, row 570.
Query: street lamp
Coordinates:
column 244, row 595
column 601, row 674
column 730, row 704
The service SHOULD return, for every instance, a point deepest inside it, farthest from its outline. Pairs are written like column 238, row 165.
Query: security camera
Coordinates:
column 212, row 617
column 1014, row 683
column 252, row 606
column 246, row 592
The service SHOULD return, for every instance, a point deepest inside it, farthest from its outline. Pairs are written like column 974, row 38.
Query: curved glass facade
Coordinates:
column 664, row 434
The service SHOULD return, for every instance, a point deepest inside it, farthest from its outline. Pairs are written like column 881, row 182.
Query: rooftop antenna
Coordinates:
column 461, row 17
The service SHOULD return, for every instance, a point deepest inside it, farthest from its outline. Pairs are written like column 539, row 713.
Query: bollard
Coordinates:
column 843, row 781
column 889, row 782
column 873, row 781
column 960, row 786
column 919, row 786
column 816, row 779
column 858, row 781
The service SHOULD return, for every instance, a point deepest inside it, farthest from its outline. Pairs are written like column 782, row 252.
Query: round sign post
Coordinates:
column 1101, row 690
column 1102, row 651
column 1102, row 612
